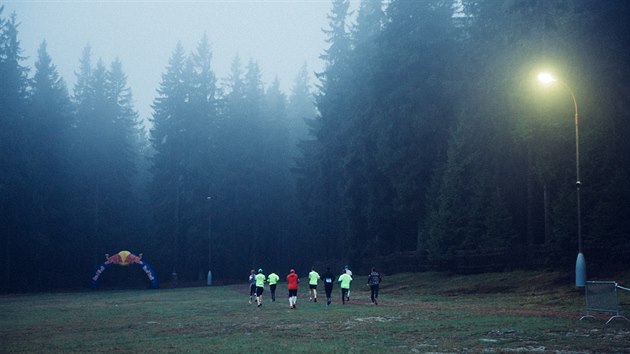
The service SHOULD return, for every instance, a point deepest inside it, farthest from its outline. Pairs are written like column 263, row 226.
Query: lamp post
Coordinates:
column 580, row 263
column 209, row 199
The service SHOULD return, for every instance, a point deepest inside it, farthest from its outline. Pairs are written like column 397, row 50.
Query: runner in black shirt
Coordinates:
column 373, row 281
column 329, row 281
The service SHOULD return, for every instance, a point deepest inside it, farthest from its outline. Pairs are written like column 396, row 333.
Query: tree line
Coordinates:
column 432, row 135
column 426, row 133
column 208, row 184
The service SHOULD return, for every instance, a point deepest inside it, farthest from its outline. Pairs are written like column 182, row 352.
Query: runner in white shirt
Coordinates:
column 349, row 272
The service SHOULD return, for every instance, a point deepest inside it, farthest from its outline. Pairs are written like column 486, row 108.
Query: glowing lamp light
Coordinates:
column 546, row 78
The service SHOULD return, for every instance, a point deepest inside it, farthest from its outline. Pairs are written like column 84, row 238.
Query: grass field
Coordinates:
column 417, row 313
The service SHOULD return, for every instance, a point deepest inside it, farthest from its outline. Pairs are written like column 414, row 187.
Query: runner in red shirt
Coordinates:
column 292, row 285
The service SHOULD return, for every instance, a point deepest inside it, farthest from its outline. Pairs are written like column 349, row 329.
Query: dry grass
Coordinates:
column 418, row 313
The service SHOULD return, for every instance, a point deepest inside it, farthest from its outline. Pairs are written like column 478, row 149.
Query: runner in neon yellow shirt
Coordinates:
column 313, row 277
column 344, row 281
column 260, row 286
column 273, row 282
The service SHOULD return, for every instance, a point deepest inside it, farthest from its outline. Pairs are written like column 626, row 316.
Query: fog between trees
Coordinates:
column 424, row 133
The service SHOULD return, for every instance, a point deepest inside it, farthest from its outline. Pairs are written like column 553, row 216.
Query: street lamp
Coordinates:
column 580, row 263
column 209, row 199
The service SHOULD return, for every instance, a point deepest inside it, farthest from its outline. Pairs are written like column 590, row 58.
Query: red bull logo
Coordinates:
column 123, row 258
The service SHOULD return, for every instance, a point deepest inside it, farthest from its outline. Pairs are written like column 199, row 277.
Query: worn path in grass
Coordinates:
column 417, row 313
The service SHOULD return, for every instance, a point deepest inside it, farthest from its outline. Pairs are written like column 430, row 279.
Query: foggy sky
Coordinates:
column 280, row 35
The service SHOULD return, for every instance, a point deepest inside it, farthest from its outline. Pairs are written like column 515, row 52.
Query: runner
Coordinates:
column 292, row 285
column 329, row 281
column 252, row 285
column 347, row 270
column 374, row 279
column 260, row 286
column 344, row 281
column 313, row 277
column 273, row 282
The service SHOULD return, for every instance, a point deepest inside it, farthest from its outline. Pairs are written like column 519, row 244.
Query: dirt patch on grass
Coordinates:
column 525, row 312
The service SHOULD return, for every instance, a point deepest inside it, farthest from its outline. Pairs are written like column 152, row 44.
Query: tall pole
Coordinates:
column 580, row 262
column 209, row 199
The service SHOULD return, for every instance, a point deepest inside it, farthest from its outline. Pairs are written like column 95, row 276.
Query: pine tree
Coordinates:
column 300, row 109
column 201, row 156
column 107, row 129
column 166, row 140
column 123, row 149
column 49, row 144
column 13, row 177
column 367, row 191
column 414, row 79
column 184, row 136
column 324, row 189
column 279, row 213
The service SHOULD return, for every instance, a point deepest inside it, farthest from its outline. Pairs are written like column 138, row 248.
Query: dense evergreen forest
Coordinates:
column 425, row 143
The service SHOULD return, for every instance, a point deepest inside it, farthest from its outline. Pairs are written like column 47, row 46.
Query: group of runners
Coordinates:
column 258, row 279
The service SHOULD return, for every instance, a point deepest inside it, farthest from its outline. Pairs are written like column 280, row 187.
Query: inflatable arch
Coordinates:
column 125, row 258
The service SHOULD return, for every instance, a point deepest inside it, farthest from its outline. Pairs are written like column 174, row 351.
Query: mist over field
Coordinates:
column 281, row 36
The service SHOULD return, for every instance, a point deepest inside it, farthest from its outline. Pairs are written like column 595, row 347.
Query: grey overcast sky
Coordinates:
column 281, row 35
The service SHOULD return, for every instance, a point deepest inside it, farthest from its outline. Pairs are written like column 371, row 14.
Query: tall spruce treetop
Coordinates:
column 276, row 134
column 170, row 98
column 46, row 80
column 203, row 120
column 234, row 82
column 254, row 88
column 369, row 22
column 300, row 109
column 232, row 139
column 336, row 55
column 250, row 118
column 84, row 75
column 337, row 67
column 276, row 102
column 126, row 121
column 204, row 80
column 14, row 76
column 50, row 116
